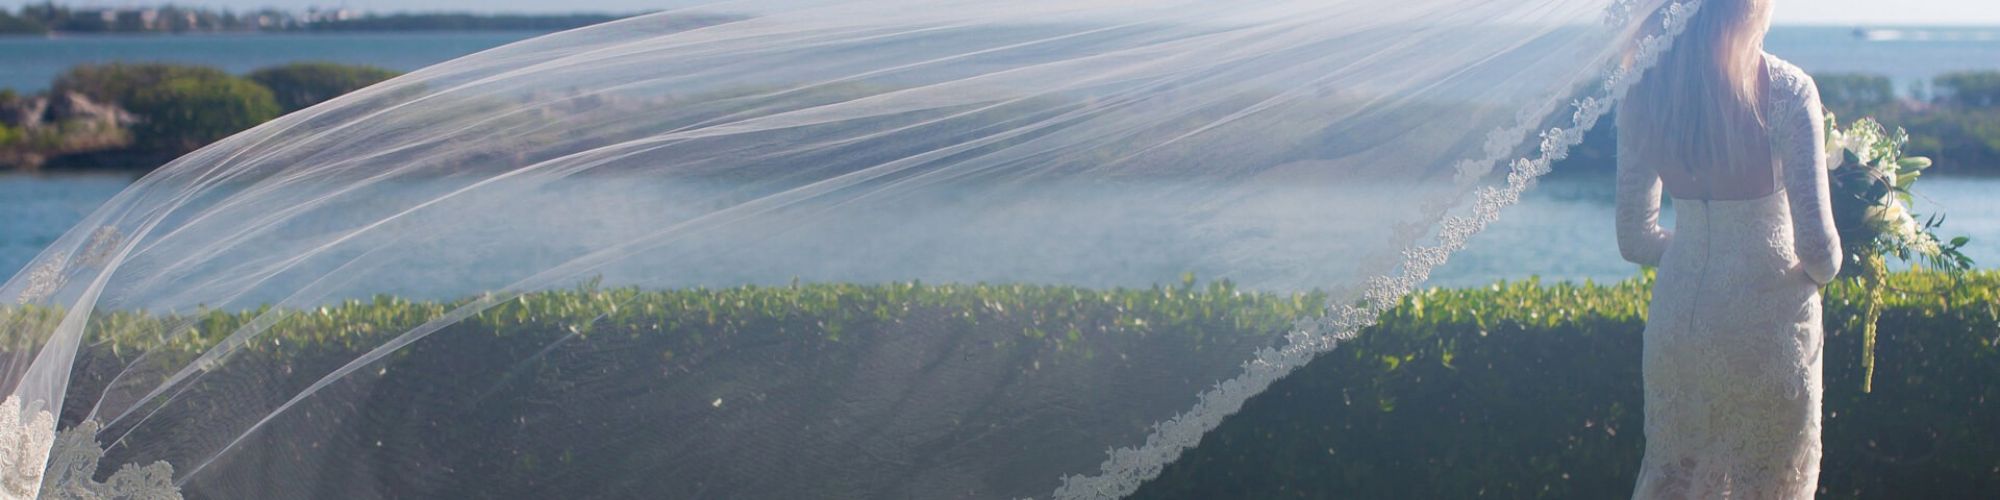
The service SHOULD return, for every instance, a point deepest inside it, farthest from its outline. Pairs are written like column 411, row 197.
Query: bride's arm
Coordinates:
column 1814, row 237
column 1641, row 240
column 1641, row 237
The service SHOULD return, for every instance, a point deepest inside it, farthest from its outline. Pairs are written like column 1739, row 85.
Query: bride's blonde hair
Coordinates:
column 1699, row 107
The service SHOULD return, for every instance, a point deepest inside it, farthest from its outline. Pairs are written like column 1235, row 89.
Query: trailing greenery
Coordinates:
column 1519, row 389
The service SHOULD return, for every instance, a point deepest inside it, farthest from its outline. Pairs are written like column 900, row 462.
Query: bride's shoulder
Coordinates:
column 1789, row 82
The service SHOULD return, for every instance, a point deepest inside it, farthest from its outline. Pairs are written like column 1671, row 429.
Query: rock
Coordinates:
column 23, row 113
column 36, row 112
column 67, row 124
column 72, row 106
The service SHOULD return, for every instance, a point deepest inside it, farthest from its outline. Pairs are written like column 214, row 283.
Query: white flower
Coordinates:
column 1836, row 149
column 1861, row 140
column 1883, row 170
column 1888, row 215
column 1909, row 228
column 1926, row 245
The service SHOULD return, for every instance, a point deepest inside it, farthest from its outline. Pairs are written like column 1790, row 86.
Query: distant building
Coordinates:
column 318, row 15
column 125, row 18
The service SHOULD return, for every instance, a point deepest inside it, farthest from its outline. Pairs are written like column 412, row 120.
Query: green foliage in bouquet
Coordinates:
column 1872, row 181
column 1872, row 200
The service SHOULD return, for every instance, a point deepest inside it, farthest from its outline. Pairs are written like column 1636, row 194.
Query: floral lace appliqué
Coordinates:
column 36, row 462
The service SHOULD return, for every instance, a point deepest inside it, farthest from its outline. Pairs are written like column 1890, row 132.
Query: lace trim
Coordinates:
column 49, row 277
column 31, row 450
column 24, row 448
column 1126, row 468
column 45, row 279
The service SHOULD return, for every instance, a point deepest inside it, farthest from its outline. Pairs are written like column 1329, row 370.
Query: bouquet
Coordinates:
column 1871, row 183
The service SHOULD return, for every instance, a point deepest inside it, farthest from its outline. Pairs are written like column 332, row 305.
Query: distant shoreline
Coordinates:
column 52, row 19
column 197, row 34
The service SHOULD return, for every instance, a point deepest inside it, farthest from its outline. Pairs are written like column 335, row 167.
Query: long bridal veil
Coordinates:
column 881, row 248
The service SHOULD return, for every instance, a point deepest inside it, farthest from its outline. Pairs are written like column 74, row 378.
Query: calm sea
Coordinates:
column 1908, row 55
column 28, row 63
column 1560, row 231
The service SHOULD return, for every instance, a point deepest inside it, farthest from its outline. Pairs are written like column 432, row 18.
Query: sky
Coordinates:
column 1821, row 12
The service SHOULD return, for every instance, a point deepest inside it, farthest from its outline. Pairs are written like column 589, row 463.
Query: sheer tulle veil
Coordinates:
column 854, row 249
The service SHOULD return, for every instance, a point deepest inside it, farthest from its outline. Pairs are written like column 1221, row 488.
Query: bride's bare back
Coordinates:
column 1751, row 174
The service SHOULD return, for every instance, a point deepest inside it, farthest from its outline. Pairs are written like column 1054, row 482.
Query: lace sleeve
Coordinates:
column 1801, row 129
column 1641, row 240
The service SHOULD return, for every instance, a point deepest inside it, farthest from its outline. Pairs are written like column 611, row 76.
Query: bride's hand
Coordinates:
column 1798, row 270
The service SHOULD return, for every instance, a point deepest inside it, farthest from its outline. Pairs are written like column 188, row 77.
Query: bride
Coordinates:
column 1732, row 357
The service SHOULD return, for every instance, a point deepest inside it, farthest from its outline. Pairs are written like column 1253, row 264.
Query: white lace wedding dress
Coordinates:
column 1732, row 343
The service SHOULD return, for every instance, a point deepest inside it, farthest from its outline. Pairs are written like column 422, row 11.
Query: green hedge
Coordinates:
column 1531, row 390
column 1521, row 389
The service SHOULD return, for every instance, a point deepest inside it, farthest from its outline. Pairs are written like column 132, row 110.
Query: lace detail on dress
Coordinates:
column 1732, row 356
column 1799, row 138
column 31, row 451
column 1731, row 359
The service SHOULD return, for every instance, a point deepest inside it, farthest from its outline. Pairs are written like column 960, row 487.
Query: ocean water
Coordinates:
column 1562, row 230
column 1908, row 54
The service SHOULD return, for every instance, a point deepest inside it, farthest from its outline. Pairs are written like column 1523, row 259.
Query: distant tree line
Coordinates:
column 140, row 115
column 52, row 17
column 1954, row 119
column 461, row 22
column 11, row 24
column 1855, row 92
